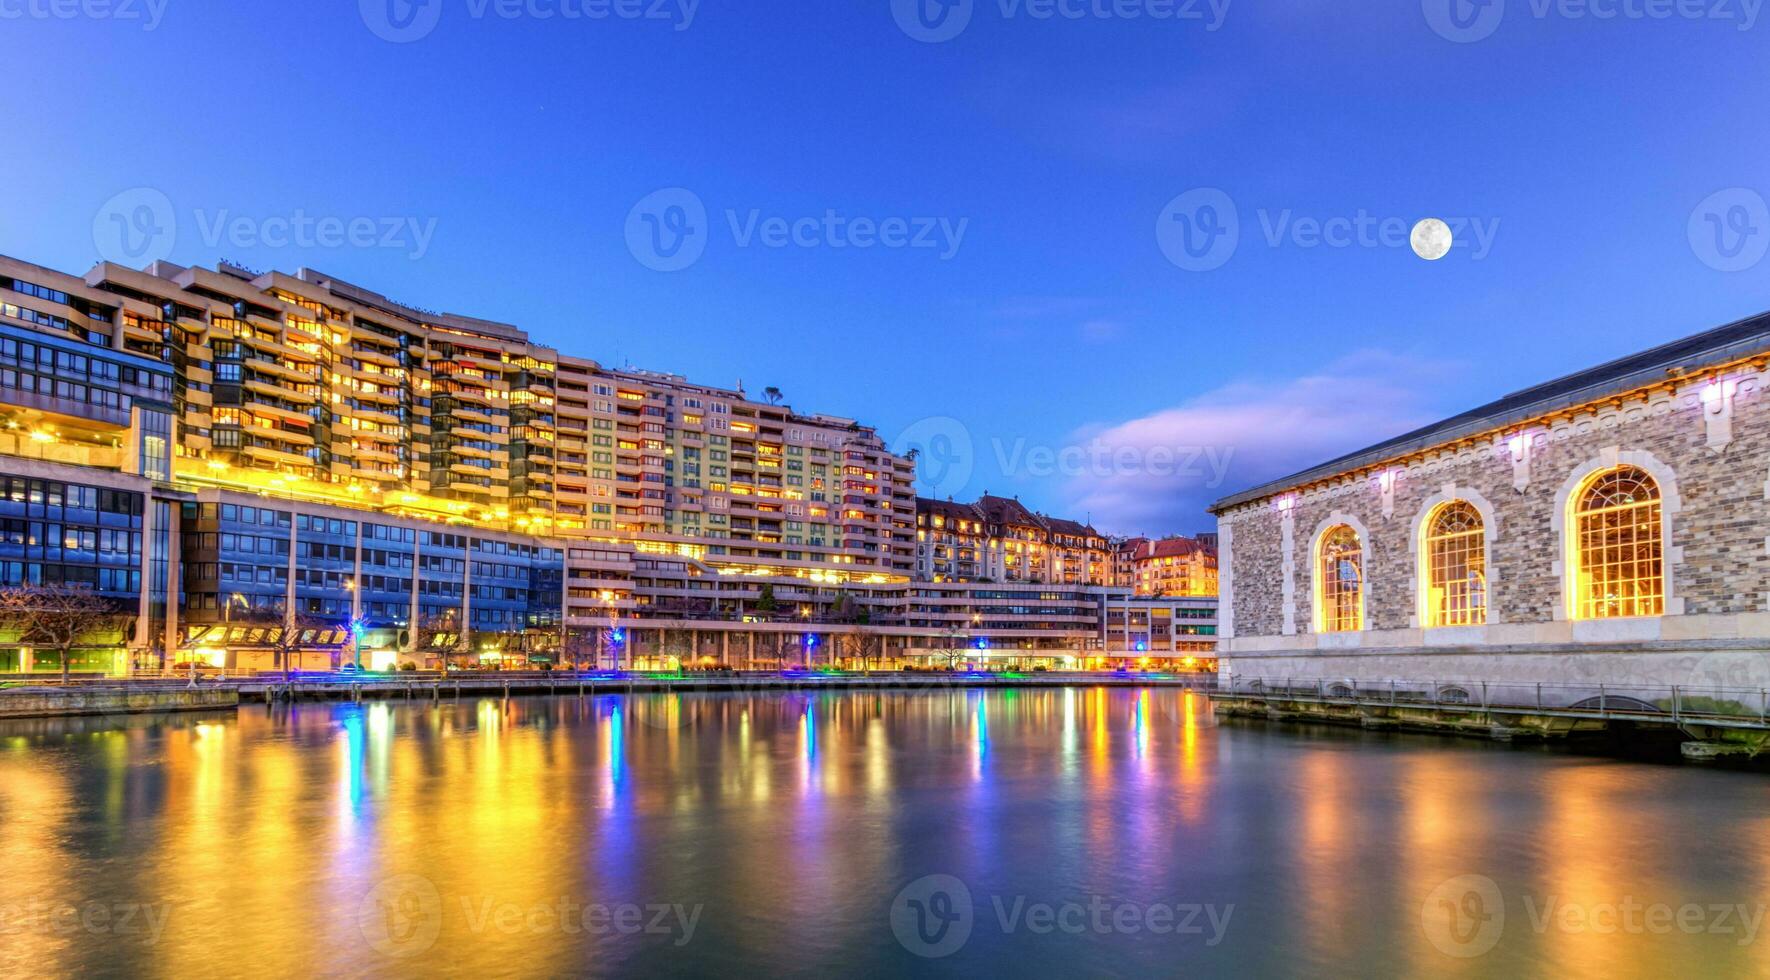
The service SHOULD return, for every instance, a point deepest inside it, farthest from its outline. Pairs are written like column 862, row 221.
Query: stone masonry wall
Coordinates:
column 1713, row 469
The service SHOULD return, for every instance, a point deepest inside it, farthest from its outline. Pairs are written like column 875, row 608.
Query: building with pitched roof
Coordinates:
column 1606, row 530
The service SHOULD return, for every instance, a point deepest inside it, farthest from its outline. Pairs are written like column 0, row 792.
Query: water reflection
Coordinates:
column 548, row 836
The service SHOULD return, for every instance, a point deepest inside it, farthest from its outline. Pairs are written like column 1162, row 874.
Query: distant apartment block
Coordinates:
column 1169, row 566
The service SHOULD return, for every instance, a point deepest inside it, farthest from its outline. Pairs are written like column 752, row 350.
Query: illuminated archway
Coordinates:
column 1617, row 545
column 1453, row 566
column 1339, row 580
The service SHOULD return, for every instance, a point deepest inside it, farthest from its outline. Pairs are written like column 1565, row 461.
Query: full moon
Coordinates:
column 1431, row 239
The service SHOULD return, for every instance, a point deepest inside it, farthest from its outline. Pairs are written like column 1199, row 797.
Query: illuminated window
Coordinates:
column 1619, row 546
column 1456, row 566
column 1339, row 583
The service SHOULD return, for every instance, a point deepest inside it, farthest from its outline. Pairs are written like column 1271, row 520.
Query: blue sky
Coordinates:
column 1044, row 340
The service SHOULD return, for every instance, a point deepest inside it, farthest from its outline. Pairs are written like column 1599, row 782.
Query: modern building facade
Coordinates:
column 264, row 470
column 1608, row 527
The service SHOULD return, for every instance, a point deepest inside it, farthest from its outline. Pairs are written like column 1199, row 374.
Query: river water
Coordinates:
column 1027, row 833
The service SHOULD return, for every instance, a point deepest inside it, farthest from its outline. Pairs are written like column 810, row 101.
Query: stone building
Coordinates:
column 1607, row 528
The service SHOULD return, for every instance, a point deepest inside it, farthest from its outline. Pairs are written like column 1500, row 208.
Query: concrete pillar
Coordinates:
column 143, row 635
column 356, row 577
column 174, row 574
column 467, row 595
column 413, row 613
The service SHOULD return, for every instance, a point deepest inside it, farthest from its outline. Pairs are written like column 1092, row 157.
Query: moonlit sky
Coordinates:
column 1583, row 144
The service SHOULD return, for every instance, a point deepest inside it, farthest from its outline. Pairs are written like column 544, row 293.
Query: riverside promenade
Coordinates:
column 207, row 692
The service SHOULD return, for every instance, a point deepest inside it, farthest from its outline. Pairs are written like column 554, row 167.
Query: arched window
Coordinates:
column 1619, row 546
column 1456, row 566
column 1339, row 585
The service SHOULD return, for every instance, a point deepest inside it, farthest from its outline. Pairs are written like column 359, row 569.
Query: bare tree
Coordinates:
column 286, row 634
column 581, row 645
column 56, row 617
column 441, row 634
column 953, row 650
column 873, row 650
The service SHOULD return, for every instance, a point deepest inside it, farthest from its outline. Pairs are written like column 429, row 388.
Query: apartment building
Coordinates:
column 998, row 540
column 1175, row 566
column 261, row 467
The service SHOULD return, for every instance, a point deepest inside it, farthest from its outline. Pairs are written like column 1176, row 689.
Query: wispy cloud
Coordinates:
column 1086, row 316
column 1247, row 432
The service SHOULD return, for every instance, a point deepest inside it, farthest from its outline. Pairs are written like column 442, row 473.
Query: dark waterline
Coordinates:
column 1089, row 831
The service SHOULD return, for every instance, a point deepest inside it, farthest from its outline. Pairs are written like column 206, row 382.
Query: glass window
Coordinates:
column 1456, row 566
column 1340, row 581
column 1620, row 548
